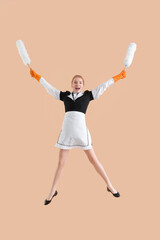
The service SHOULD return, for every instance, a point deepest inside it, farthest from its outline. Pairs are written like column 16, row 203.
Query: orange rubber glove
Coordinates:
column 120, row 76
column 35, row 75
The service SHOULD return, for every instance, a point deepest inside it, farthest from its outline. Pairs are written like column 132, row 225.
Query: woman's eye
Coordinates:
column 76, row 82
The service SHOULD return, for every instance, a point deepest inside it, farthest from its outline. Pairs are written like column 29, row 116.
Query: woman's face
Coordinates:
column 77, row 84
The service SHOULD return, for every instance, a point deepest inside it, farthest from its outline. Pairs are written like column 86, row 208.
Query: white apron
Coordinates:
column 74, row 133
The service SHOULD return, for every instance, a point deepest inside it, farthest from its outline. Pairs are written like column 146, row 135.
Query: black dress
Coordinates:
column 74, row 132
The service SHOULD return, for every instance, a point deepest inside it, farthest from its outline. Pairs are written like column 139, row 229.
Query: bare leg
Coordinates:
column 99, row 168
column 63, row 153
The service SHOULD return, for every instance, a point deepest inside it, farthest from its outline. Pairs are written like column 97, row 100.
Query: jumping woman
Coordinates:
column 74, row 133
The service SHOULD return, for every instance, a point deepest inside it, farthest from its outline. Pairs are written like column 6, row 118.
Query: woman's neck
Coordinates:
column 77, row 92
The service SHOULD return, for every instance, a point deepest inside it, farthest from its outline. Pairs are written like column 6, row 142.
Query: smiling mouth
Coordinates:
column 77, row 88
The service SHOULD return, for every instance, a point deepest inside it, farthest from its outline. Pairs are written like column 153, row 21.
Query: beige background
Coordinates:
column 64, row 38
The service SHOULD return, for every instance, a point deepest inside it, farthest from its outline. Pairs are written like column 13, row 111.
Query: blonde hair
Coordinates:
column 77, row 76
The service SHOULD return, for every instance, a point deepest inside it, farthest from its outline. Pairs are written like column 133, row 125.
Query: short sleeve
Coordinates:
column 89, row 93
column 63, row 95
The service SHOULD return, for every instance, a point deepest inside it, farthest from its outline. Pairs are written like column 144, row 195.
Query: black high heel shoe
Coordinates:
column 48, row 201
column 114, row 194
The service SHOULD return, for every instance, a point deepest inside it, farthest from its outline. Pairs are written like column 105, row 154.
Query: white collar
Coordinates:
column 76, row 93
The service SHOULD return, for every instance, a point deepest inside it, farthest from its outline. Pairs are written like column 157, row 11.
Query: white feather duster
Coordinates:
column 130, row 54
column 23, row 52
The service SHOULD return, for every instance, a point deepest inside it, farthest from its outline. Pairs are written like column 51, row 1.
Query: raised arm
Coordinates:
column 49, row 88
column 96, row 92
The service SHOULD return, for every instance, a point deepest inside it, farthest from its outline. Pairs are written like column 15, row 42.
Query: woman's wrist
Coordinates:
column 116, row 78
column 35, row 75
column 120, row 76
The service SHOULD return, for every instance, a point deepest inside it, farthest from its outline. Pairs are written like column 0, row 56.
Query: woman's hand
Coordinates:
column 123, row 73
column 120, row 76
column 34, row 74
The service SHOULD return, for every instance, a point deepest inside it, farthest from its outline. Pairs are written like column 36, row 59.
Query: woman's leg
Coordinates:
column 63, row 153
column 99, row 168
